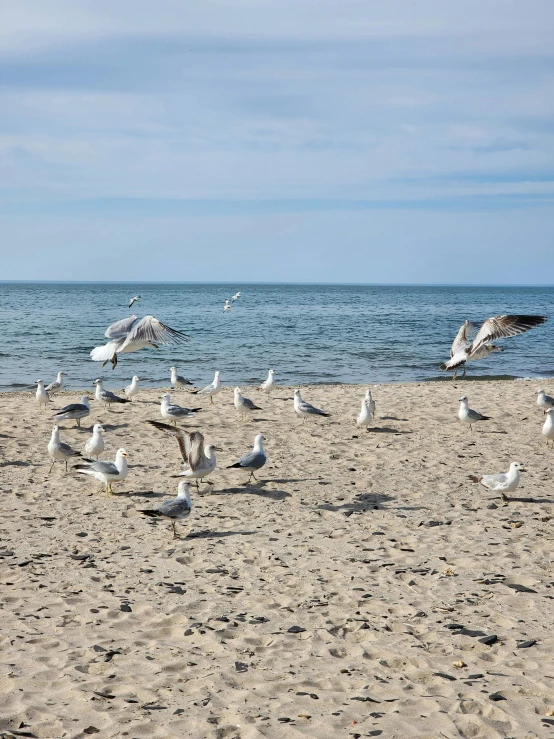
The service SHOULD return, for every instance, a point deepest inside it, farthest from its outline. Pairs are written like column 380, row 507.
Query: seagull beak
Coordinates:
column 218, row 449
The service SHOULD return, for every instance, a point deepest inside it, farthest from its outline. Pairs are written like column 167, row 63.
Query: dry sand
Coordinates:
column 317, row 603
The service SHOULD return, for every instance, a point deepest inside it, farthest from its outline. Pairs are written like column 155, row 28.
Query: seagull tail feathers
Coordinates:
column 103, row 353
column 149, row 512
column 474, row 478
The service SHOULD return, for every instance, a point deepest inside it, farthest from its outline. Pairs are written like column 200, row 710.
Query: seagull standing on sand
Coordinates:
column 268, row 385
column 58, row 450
column 464, row 349
column 106, row 396
column 252, row 461
column 243, row 405
column 466, row 415
column 41, row 395
column 199, row 458
column 74, row 411
column 106, row 472
column 365, row 417
column 132, row 334
column 213, row 389
column 132, row 389
column 94, row 445
column 306, row 410
column 133, row 300
column 548, row 426
column 176, row 509
column 544, row 401
column 57, row 384
column 505, row 482
column 371, row 402
column 178, row 380
column 173, row 412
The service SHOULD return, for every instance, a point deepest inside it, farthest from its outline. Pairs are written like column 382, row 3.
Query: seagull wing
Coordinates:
column 249, row 404
column 120, row 329
column 149, row 329
column 197, row 458
column 183, row 437
column 464, row 337
column 501, row 327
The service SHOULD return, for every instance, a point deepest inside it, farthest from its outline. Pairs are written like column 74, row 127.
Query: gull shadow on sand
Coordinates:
column 387, row 430
column 114, row 426
column 360, row 503
column 19, row 463
column 509, row 499
column 218, row 534
column 144, row 494
column 391, row 418
column 255, row 489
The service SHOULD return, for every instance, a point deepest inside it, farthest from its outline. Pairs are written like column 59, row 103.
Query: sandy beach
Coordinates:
column 365, row 587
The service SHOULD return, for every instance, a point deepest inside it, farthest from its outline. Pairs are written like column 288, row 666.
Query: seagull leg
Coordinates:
column 114, row 361
column 79, row 422
column 464, row 375
column 66, row 465
column 174, row 532
column 254, row 476
column 212, row 399
column 54, row 462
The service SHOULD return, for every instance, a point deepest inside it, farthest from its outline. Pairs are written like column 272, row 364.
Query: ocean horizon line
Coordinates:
column 280, row 283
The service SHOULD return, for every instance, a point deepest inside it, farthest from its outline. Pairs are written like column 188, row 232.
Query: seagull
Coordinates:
column 173, row 412
column 466, row 415
column 74, row 411
column 213, row 389
column 226, row 305
column 94, row 445
column 106, row 396
column 133, row 300
column 464, row 349
column 244, row 405
column 365, row 417
column 505, row 482
column 177, row 380
column 58, row 450
column 268, row 385
column 132, row 389
column 548, row 426
column 305, row 410
column 199, row 458
column 236, row 296
column 41, row 395
column 132, row 334
column 106, row 472
column 57, row 384
column 370, row 401
column 252, row 461
column 176, row 509
column 543, row 400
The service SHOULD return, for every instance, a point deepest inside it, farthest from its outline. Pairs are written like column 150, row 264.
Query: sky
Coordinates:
column 277, row 140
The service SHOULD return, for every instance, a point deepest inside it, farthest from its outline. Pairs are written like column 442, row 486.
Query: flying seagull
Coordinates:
column 132, row 334
column 176, row 509
column 133, row 300
column 199, row 458
column 467, row 349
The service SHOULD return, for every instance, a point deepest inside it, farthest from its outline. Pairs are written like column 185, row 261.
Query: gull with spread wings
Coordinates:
column 198, row 458
column 132, row 334
column 474, row 340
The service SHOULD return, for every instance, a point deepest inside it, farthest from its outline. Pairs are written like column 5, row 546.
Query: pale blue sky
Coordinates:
column 277, row 140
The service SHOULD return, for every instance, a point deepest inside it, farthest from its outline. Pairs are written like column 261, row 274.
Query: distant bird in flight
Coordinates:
column 133, row 300
column 465, row 349
column 132, row 334
column 236, row 296
column 226, row 305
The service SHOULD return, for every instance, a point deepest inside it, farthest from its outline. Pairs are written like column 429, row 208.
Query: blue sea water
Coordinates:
column 307, row 333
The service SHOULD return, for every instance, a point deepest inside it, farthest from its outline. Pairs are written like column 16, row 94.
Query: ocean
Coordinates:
column 308, row 334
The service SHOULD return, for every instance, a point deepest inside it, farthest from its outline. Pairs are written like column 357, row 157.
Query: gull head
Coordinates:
column 165, row 396
column 297, row 393
column 217, row 373
column 97, row 427
column 37, row 382
column 237, row 391
column 63, row 373
column 211, row 448
column 173, row 369
column 97, row 382
column 135, row 378
column 183, row 489
column 121, row 453
column 539, row 392
column 55, row 428
column 517, row 466
column 550, row 412
column 463, row 399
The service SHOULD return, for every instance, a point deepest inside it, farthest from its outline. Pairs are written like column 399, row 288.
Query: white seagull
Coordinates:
column 178, row 380
column 132, row 389
column 132, row 334
column 213, row 389
column 236, row 296
column 371, row 402
column 41, row 395
column 74, row 411
column 365, row 417
column 505, row 482
column 544, row 401
column 268, row 385
column 467, row 349
column 58, row 450
column 306, row 410
column 133, row 300
column 466, row 415
column 94, row 445
column 57, row 384
column 106, row 396
column 176, row 509
column 226, row 305
column 199, row 458
column 548, row 426
column 244, row 405
column 172, row 412
column 106, row 472
column 252, row 461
